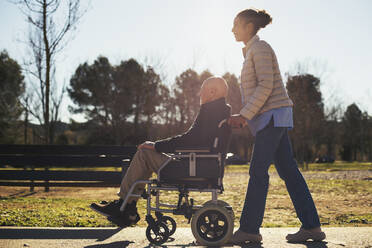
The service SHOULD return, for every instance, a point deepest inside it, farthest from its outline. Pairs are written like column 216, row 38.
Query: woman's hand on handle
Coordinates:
column 147, row 145
column 237, row 121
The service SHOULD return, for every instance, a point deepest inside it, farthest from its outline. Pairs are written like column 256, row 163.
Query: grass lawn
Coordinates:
column 340, row 202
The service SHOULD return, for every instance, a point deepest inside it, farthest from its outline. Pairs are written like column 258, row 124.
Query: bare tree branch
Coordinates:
column 46, row 39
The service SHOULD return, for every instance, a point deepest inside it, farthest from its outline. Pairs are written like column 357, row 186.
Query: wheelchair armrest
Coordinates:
column 196, row 150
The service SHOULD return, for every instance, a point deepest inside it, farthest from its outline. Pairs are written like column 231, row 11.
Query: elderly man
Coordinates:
column 149, row 156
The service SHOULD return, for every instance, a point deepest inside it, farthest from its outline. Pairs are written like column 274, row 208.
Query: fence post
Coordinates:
column 46, row 182
column 32, row 185
column 31, row 181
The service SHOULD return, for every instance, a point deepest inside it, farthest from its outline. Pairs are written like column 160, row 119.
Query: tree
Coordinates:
column 234, row 97
column 366, row 136
column 147, row 95
column 11, row 89
column 332, row 130
column 308, row 114
column 121, row 101
column 46, row 40
column 352, row 137
column 187, row 102
column 100, row 97
column 156, row 105
column 146, row 90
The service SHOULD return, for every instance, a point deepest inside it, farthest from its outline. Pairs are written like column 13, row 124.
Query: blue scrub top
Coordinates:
column 282, row 117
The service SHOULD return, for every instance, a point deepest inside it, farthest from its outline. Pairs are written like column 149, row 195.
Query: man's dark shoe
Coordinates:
column 129, row 217
column 125, row 220
column 108, row 209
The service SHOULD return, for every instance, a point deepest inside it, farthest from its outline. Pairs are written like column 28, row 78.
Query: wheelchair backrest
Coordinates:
column 222, row 140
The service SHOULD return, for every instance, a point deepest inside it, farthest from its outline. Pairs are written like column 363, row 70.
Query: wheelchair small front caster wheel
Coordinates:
column 212, row 225
column 170, row 223
column 157, row 234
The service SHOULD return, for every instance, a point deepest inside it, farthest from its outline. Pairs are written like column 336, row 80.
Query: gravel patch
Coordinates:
column 329, row 175
column 338, row 175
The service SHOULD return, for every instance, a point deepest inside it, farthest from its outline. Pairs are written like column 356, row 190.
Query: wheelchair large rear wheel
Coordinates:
column 212, row 225
column 223, row 204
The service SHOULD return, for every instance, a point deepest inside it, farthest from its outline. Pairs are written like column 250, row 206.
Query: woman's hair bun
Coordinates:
column 263, row 18
column 260, row 18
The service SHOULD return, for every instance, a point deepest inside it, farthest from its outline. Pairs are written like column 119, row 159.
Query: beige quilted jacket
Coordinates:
column 262, row 87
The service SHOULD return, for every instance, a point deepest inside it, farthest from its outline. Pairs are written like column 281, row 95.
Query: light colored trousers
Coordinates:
column 143, row 164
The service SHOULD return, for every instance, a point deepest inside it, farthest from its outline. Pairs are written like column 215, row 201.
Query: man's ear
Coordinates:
column 213, row 92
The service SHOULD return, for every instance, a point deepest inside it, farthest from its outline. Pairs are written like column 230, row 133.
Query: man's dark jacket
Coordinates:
column 203, row 130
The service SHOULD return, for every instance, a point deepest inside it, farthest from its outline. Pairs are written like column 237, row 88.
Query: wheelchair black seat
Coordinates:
column 198, row 167
column 206, row 173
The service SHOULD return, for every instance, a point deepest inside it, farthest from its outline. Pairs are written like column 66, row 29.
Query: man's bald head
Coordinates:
column 212, row 89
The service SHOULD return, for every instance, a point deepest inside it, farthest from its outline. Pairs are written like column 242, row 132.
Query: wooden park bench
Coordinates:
column 37, row 165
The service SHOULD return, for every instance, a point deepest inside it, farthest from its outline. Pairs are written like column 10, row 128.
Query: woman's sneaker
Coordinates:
column 303, row 235
column 241, row 237
column 108, row 208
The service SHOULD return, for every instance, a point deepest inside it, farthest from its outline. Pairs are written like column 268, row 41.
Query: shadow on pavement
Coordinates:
column 117, row 244
column 252, row 245
column 42, row 233
column 194, row 244
column 309, row 244
column 169, row 246
column 315, row 244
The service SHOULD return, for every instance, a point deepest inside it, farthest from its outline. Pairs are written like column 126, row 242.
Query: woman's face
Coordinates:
column 242, row 30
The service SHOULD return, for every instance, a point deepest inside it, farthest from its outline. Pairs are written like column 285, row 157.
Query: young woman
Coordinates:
column 267, row 110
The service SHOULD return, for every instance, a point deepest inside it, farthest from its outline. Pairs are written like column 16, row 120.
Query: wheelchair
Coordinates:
column 190, row 170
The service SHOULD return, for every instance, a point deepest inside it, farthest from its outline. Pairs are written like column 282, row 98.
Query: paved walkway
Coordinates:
column 135, row 237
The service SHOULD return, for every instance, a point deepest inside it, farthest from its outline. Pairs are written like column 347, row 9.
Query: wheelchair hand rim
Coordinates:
column 209, row 225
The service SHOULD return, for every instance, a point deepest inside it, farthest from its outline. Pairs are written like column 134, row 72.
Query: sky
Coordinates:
column 330, row 39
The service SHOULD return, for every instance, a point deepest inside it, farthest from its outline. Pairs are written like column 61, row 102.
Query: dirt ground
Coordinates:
column 110, row 193
column 343, row 198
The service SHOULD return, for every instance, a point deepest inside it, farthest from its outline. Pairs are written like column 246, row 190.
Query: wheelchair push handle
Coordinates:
column 225, row 124
column 223, row 129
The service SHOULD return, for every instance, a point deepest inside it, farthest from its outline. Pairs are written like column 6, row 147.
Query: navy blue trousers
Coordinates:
column 272, row 144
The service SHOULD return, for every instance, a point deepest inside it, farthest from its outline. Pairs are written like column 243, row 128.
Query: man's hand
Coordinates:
column 147, row 145
column 237, row 121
